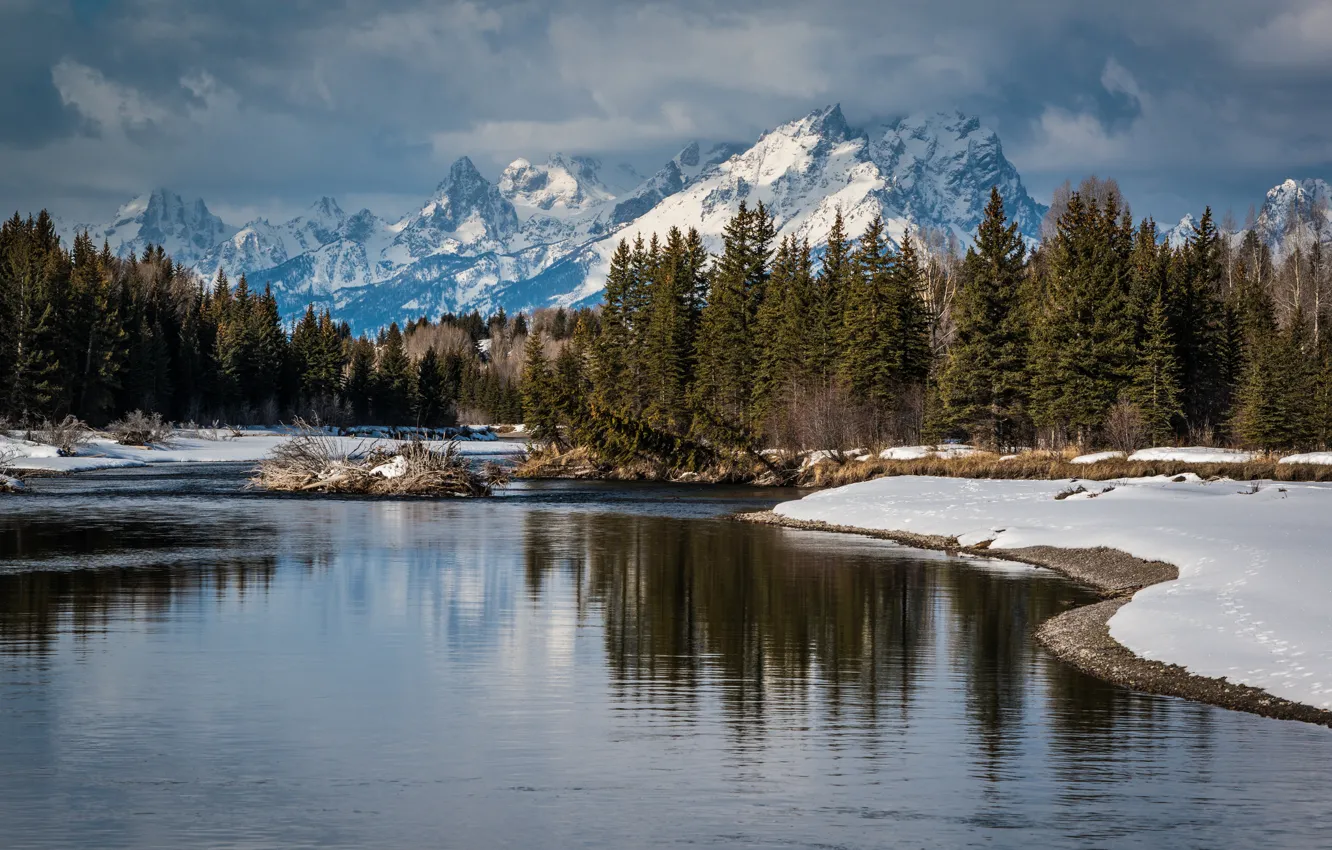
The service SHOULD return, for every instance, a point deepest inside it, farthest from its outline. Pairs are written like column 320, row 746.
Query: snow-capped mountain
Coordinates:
column 1179, row 235
column 1295, row 210
column 542, row 233
column 261, row 245
column 186, row 230
column 940, row 169
column 564, row 185
column 467, row 215
column 930, row 172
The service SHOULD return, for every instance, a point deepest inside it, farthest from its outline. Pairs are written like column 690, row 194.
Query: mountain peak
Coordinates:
column 563, row 184
column 827, row 123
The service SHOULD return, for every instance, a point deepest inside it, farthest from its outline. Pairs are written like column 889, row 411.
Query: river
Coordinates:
column 185, row 663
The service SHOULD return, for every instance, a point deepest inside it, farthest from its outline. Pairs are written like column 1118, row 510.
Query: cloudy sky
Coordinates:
column 261, row 106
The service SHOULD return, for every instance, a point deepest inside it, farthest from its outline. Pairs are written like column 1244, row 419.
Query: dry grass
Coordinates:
column 1043, row 466
column 314, row 462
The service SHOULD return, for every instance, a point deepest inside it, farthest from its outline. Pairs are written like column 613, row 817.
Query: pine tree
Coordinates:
column 1198, row 327
column 726, row 350
column 432, row 391
column 394, row 383
column 540, row 405
column 360, row 380
column 871, row 327
column 610, row 372
column 1155, row 389
column 95, row 332
column 983, row 387
column 1082, row 344
column 671, row 327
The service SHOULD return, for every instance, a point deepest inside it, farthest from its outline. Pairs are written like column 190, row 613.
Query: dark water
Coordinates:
column 184, row 664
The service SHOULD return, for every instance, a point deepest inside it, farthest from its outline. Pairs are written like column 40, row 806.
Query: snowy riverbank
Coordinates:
column 250, row 447
column 1252, row 600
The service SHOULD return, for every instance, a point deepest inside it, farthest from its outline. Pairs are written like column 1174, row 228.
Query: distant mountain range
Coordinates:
column 542, row 234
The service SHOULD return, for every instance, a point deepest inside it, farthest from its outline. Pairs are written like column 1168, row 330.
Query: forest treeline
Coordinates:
column 88, row 334
column 1102, row 334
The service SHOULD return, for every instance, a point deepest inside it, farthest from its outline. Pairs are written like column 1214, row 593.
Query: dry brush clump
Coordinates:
column 312, row 462
column 140, row 429
column 67, row 435
column 8, row 484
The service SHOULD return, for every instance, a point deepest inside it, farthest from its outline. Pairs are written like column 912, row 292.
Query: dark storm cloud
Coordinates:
column 262, row 106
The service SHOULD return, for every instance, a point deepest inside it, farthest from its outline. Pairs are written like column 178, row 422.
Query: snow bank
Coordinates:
column 1253, row 602
column 1097, row 458
column 102, row 453
column 919, row 452
column 1313, row 458
column 1195, row 454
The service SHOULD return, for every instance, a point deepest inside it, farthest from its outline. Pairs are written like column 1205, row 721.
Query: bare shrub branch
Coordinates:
column 67, row 435
column 140, row 429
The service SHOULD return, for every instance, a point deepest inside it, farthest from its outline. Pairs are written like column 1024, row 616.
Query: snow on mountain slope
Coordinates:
column 564, row 185
column 682, row 170
column 1179, row 235
column 466, row 215
column 1295, row 210
column 543, row 233
column 941, row 168
column 261, row 245
column 186, row 230
column 932, row 172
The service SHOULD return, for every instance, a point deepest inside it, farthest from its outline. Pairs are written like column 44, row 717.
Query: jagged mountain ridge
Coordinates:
column 185, row 229
column 542, row 234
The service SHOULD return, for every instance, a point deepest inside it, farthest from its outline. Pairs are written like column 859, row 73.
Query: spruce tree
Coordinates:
column 1155, row 389
column 983, row 387
column 394, row 380
column 540, row 404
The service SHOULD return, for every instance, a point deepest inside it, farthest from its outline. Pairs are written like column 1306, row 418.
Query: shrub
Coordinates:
column 317, row 462
column 140, row 429
column 1125, row 428
column 67, row 435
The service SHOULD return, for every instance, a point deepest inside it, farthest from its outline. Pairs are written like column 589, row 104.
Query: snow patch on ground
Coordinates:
column 252, row 447
column 1254, row 594
column 1312, row 458
column 920, row 452
column 1097, row 457
column 1194, row 454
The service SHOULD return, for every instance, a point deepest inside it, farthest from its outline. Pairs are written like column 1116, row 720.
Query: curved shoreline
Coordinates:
column 1081, row 636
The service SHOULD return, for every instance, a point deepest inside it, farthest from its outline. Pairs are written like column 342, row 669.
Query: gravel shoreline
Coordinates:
column 1081, row 637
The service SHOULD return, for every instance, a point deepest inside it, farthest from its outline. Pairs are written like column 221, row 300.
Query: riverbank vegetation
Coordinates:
column 315, row 462
column 1101, row 335
column 735, row 366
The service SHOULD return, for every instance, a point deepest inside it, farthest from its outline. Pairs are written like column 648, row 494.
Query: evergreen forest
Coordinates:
column 1103, row 334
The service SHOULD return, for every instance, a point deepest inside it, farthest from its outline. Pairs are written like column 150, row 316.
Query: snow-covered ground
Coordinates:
column 1312, row 458
column 1194, row 454
column 1253, row 602
column 1097, row 457
column 252, row 446
column 920, row 452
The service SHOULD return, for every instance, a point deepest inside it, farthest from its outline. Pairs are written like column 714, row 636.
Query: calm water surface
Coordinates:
column 185, row 664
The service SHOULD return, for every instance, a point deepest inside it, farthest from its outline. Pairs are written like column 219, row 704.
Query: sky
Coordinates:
column 261, row 107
